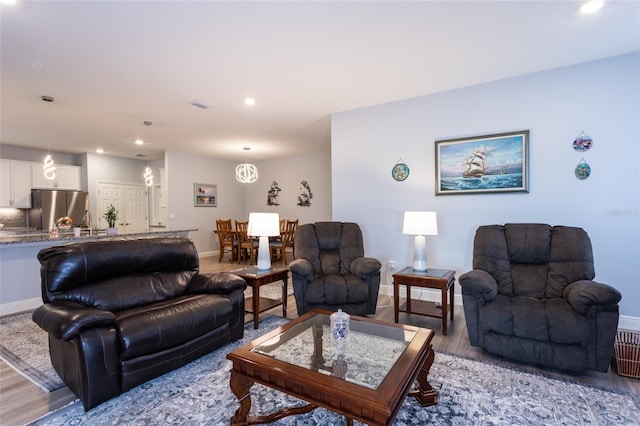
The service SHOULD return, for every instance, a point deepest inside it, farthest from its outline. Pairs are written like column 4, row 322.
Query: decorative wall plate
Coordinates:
column 583, row 170
column 582, row 143
column 400, row 172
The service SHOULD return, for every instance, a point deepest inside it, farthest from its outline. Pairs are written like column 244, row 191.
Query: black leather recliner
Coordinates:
column 122, row 311
column 330, row 270
column 531, row 297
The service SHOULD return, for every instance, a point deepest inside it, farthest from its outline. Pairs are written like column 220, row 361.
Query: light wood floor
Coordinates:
column 22, row 402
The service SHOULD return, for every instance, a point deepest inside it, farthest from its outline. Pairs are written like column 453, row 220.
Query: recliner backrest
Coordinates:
column 329, row 246
column 535, row 260
column 120, row 273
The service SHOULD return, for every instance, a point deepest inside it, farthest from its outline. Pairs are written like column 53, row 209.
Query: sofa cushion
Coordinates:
column 571, row 259
column 150, row 329
column 329, row 246
column 69, row 270
column 126, row 292
column 337, row 289
column 546, row 320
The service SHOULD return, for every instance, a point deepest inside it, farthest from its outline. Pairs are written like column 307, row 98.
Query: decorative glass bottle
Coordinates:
column 340, row 330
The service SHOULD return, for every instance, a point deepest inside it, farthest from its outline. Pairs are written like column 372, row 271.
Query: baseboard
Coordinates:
column 418, row 293
column 208, row 253
column 20, row 306
column 626, row 322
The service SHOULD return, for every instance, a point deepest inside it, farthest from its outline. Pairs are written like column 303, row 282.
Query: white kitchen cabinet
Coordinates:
column 15, row 184
column 67, row 177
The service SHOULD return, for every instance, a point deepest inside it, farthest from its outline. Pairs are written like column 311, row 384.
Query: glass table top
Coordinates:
column 368, row 355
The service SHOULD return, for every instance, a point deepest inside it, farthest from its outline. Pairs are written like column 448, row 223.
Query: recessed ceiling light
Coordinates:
column 139, row 142
column 249, row 101
column 100, row 151
column 591, row 6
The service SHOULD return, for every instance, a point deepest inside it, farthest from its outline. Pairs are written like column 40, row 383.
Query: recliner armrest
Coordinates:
column 217, row 283
column 365, row 266
column 584, row 294
column 480, row 284
column 65, row 319
column 302, row 268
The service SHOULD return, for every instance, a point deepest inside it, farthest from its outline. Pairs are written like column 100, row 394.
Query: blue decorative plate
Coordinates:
column 400, row 172
column 583, row 170
column 582, row 143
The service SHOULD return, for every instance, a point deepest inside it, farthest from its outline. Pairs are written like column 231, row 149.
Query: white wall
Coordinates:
column 182, row 171
column 236, row 200
column 288, row 173
column 600, row 98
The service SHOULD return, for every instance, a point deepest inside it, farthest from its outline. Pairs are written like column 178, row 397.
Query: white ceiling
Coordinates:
column 110, row 65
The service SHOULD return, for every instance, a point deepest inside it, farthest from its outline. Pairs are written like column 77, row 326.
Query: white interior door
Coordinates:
column 136, row 211
column 132, row 204
column 109, row 194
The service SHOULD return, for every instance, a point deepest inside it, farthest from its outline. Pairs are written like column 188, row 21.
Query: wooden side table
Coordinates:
column 255, row 278
column 441, row 279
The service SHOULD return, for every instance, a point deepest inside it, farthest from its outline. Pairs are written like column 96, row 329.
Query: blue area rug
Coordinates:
column 25, row 347
column 470, row 393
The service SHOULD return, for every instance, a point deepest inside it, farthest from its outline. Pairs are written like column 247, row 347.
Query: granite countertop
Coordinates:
column 19, row 236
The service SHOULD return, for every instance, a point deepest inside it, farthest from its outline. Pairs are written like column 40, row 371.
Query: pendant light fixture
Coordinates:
column 148, row 173
column 246, row 172
column 48, row 166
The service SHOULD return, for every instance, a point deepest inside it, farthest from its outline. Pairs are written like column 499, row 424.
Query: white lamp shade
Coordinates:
column 264, row 225
column 420, row 223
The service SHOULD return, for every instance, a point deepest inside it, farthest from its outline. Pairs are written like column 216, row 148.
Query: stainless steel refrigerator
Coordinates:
column 47, row 206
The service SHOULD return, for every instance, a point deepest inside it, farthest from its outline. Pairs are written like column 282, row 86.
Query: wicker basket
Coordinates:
column 627, row 354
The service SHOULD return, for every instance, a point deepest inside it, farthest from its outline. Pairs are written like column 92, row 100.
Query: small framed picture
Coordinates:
column 483, row 164
column 205, row 195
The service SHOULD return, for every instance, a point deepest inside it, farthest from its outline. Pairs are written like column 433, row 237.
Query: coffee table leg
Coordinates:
column 240, row 386
column 285, row 292
column 425, row 393
column 256, row 306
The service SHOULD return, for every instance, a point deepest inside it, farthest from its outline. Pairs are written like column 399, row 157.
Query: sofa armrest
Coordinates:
column 302, row 268
column 584, row 294
column 365, row 266
column 479, row 284
column 65, row 319
column 217, row 283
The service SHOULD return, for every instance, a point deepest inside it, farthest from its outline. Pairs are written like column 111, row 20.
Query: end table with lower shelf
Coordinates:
column 256, row 278
column 441, row 279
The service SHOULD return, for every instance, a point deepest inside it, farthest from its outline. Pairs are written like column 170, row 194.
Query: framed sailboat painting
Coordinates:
column 483, row 164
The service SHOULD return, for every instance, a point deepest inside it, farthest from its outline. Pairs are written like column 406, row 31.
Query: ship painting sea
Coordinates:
column 476, row 163
column 479, row 174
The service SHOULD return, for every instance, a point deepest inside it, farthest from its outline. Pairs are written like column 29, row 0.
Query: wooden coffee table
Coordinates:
column 256, row 278
column 367, row 383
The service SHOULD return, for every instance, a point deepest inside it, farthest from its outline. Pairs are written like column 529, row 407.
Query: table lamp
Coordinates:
column 263, row 225
column 420, row 224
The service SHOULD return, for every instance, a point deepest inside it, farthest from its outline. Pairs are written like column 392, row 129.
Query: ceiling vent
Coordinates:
column 201, row 104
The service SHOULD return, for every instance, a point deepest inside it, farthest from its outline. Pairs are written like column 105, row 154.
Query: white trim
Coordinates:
column 627, row 322
column 20, row 306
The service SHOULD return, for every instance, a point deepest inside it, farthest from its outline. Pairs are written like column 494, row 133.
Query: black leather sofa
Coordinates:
column 122, row 311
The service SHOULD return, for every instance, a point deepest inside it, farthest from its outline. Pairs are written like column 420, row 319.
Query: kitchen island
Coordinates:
column 20, row 269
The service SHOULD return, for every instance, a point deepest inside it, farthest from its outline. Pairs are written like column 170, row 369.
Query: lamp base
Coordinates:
column 264, row 257
column 420, row 254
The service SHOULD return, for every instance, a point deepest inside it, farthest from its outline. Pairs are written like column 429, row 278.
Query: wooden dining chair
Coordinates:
column 279, row 247
column 226, row 238
column 246, row 244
